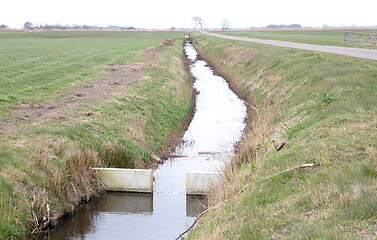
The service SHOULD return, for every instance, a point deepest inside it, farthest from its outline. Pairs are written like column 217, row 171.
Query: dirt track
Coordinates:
column 346, row 51
column 118, row 75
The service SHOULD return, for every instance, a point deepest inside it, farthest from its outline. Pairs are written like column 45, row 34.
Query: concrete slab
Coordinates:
column 200, row 183
column 127, row 180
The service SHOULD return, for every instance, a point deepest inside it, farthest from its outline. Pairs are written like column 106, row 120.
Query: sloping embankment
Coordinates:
column 324, row 107
column 46, row 163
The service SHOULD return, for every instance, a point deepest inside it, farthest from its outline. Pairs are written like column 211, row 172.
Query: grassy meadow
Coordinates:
column 324, row 107
column 73, row 100
column 319, row 37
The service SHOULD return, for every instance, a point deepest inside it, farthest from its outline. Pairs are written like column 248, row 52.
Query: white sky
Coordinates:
column 178, row 13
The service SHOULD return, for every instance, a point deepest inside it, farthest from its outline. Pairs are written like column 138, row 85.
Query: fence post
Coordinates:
column 359, row 37
column 358, row 42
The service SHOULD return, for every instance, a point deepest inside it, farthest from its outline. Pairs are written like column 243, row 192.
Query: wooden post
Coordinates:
column 358, row 42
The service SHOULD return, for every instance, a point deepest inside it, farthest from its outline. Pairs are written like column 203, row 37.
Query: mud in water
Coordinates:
column 217, row 126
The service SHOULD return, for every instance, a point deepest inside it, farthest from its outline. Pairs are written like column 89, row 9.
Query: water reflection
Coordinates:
column 128, row 203
column 122, row 216
column 195, row 205
column 216, row 127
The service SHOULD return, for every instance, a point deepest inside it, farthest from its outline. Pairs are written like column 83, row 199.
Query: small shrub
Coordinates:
column 10, row 98
column 325, row 100
column 360, row 92
column 28, row 89
column 87, row 125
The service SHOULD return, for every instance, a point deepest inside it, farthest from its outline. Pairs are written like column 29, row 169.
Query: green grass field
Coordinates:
column 34, row 66
column 320, row 37
column 324, row 107
column 73, row 100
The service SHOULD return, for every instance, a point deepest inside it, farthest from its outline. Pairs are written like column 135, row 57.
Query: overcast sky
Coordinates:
column 168, row 13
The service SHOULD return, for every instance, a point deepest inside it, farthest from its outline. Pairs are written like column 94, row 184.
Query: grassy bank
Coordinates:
column 320, row 37
column 73, row 100
column 324, row 107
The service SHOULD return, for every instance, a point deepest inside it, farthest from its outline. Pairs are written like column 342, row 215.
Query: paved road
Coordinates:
column 351, row 52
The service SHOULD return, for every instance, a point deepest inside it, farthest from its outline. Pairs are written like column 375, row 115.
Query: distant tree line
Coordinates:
column 29, row 25
column 3, row 26
column 274, row 26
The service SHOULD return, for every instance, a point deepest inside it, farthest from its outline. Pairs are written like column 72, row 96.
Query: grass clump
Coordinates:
column 335, row 130
column 325, row 100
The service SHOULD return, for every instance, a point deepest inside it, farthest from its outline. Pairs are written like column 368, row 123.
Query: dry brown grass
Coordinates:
column 234, row 178
column 71, row 182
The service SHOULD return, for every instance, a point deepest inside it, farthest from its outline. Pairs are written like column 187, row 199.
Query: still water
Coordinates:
column 216, row 127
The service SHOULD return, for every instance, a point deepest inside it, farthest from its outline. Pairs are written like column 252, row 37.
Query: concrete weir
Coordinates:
column 127, row 180
column 200, row 183
column 141, row 181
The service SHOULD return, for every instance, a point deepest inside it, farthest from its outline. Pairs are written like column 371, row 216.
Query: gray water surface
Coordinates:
column 215, row 129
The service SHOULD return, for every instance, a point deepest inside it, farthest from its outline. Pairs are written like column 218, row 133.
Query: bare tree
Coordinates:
column 226, row 25
column 3, row 26
column 198, row 21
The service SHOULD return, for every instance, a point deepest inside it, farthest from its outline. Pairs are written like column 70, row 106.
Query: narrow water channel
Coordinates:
column 209, row 141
